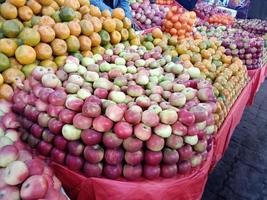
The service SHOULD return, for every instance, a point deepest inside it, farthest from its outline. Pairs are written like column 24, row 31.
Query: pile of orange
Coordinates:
column 220, row 19
column 179, row 23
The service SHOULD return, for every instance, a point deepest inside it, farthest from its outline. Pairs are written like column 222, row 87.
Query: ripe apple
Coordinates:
column 117, row 96
column 114, row 112
column 179, row 129
column 69, row 132
column 82, row 122
column 150, row 118
column 24, row 155
column 36, row 131
column 75, row 148
column 163, row 130
column 111, row 140
column 101, row 93
column 114, row 156
column 47, row 136
column 93, row 154
column 155, row 143
column 142, row 132
column 74, row 163
column 74, row 103
column 133, row 116
column 153, row 157
column 201, row 146
column 102, row 124
column 34, row 187
column 192, row 140
column 134, row 158
column 91, row 137
column 44, row 148
column 15, row 173
column 196, row 160
column 43, row 119
column 66, row 116
column 186, row 117
column 13, row 135
column 132, row 172
column 58, row 156
column 168, row 170
column 9, row 192
column 32, row 141
column 112, row 171
column 143, row 101
column 184, row 167
column 58, row 97
column 185, row 152
column 135, row 90
column 40, row 105
column 170, row 156
column 35, row 166
column 91, row 109
column 132, row 144
column 174, row 142
column 60, row 142
column 177, row 99
column 123, row 129
column 151, row 171
column 53, row 111
column 55, row 126
column 168, row 116
column 44, row 94
column 92, row 170
column 8, row 154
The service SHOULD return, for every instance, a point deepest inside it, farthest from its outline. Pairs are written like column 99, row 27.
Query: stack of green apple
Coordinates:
column 129, row 112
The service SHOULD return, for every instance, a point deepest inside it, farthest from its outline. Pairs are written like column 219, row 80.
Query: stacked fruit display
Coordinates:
column 148, row 15
column 44, row 32
column 179, row 23
column 256, row 26
column 219, row 19
column 129, row 112
column 21, row 175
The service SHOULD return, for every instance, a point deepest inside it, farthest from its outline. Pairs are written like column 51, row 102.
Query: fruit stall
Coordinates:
column 92, row 109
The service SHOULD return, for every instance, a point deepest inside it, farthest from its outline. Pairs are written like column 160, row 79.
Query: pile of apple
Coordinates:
column 256, row 26
column 148, row 15
column 129, row 112
column 21, row 175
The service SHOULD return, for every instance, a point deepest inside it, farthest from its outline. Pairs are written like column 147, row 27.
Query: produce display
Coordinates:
column 148, row 15
column 21, row 175
column 255, row 26
column 220, row 19
column 44, row 32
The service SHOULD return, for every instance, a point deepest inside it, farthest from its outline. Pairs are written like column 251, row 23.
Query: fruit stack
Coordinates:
column 21, row 175
column 129, row 112
column 44, row 31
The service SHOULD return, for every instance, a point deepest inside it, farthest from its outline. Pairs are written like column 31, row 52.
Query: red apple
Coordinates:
column 168, row 170
column 53, row 111
column 132, row 116
column 153, row 157
column 32, row 141
column 111, row 140
column 151, row 171
column 143, row 101
column 201, row 146
column 9, row 192
column 30, row 113
column 101, row 93
column 134, row 158
column 93, row 99
column 43, row 119
column 114, row 156
column 9, row 121
column 132, row 144
column 179, row 129
column 13, row 134
column 184, row 167
column 60, row 142
column 91, row 137
column 36, row 130
column 93, row 154
column 74, row 163
column 170, row 156
column 8, row 154
column 123, row 129
column 102, row 124
column 112, row 171
column 40, row 105
column 82, row 122
column 35, row 166
column 150, row 118
column 155, row 143
column 55, row 126
column 174, row 142
column 58, row 156
column 66, row 116
column 75, row 148
column 92, row 170
column 35, row 187
column 15, row 173
column 135, row 90
column 186, row 117
column 26, row 123
column 38, row 73
column 91, row 109
column 44, row 148
column 132, row 172
column 58, row 97
column 168, row 116
column 24, row 155
column 47, row 136
column 142, row 132
column 114, row 112
column 74, row 103
column 44, row 94
column 185, row 152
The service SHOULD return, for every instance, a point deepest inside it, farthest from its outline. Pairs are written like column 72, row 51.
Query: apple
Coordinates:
column 153, row 157
column 91, row 109
column 111, row 140
column 168, row 116
column 74, row 163
column 61, row 74
column 91, row 76
column 91, row 137
column 196, row 160
column 8, row 154
column 44, row 148
column 134, row 158
column 112, row 171
column 50, row 80
column 26, row 123
column 60, row 142
column 47, row 136
column 155, row 143
column 200, row 113
column 155, row 108
column 77, row 79
column 36, row 130
column 185, row 152
column 75, row 148
column 8, row 193
column 101, row 93
column 15, row 173
column 132, row 144
column 58, row 156
column 142, row 132
column 92, row 170
column 163, row 130
column 114, row 112
column 43, row 119
column 24, row 155
column 55, row 126
column 150, row 118
column 52, row 194
column 114, row 156
column 74, row 103
column 192, row 140
column 66, row 116
column 168, row 170
column 186, row 117
column 143, row 101
column 70, row 132
column 102, row 124
column 58, row 97
column 40, row 105
column 170, row 156
column 103, row 83
column 132, row 172
column 184, row 167
column 5, row 141
column 177, row 99
column 123, row 129
column 38, row 72
column 13, row 134
column 32, row 141
column 44, row 94
column 82, row 122
column 133, row 116
column 93, row 154
column 53, row 111
column 174, row 142
column 117, row 96
column 135, row 90
column 151, row 171
column 9, row 120
column 34, row 187
column 35, row 166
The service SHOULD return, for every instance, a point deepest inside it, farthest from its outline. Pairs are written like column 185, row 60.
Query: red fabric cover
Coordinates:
column 186, row 187
column 223, row 137
column 257, row 77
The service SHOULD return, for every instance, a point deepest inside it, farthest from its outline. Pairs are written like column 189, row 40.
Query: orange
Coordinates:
column 8, row 46
column 97, row 24
column 87, row 27
column 8, row 11
column 59, row 47
column 47, row 33
column 62, row 30
column 75, row 28
column 118, row 13
column 94, row 11
column 35, row 6
column 17, row 3
column 25, row 54
column 74, row 4
column 6, row 92
column 43, row 51
column 115, row 37
column 95, row 39
column 85, row 43
column 109, row 25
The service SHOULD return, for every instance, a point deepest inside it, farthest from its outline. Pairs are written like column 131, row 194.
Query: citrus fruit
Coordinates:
column 4, row 62
column 25, row 54
column 8, row 46
column 30, row 36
